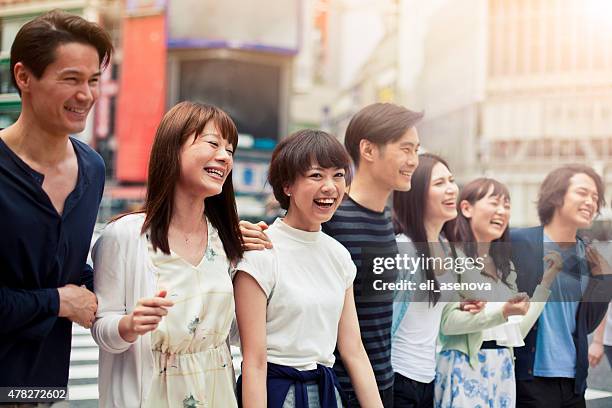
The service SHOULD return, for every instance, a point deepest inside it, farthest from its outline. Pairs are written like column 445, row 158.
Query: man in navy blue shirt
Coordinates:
column 551, row 368
column 50, row 190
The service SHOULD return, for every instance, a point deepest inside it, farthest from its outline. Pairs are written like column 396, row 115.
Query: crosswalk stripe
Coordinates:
column 83, row 392
column 84, row 354
column 83, row 371
column 592, row 394
column 83, row 341
column 76, row 329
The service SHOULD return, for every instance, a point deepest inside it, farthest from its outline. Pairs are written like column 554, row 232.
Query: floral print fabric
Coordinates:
column 490, row 385
column 193, row 364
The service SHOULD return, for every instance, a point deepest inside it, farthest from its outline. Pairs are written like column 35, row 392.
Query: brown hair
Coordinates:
column 35, row 43
column 380, row 123
column 555, row 185
column 500, row 251
column 183, row 121
column 295, row 154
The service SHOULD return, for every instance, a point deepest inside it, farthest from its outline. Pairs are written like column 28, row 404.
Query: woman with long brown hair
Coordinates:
column 162, row 276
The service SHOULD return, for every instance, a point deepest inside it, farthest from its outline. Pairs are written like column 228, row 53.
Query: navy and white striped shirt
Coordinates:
column 367, row 233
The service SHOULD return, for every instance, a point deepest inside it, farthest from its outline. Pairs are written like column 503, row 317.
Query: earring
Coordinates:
column 288, row 194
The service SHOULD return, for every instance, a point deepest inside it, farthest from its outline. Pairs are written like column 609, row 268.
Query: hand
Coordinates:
column 597, row 263
column 78, row 305
column 596, row 351
column 554, row 265
column 472, row 306
column 145, row 317
column 254, row 237
column 517, row 306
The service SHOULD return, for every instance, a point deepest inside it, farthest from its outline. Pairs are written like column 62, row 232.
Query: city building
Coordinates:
column 513, row 89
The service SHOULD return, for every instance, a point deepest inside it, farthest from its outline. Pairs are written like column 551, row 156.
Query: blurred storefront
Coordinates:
column 100, row 128
column 236, row 55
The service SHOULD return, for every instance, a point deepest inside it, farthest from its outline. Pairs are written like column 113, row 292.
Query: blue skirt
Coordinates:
column 490, row 385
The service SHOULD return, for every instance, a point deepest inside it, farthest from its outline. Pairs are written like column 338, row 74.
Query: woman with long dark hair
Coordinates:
column 423, row 220
column 475, row 367
column 162, row 275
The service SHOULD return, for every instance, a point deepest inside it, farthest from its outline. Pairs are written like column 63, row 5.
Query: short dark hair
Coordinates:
column 36, row 42
column 380, row 123
column 555, row 185
column 295, row 154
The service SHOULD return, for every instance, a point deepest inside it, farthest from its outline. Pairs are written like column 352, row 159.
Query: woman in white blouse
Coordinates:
column 475, row 366
column 294, row 302
column 423, row 220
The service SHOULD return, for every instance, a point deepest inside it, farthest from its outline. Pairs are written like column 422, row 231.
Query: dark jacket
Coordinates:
column 280, row 379
column 527, row 255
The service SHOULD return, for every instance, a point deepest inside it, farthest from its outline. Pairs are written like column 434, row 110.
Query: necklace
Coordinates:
column 188, row 236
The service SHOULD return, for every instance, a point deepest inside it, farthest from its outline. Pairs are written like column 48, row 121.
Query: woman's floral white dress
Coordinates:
column 490, row 385
column 193, row 364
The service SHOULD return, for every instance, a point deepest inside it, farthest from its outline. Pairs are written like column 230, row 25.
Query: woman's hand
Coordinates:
column 145, row 317
column 554, row 265
column 472, row 306
column 517, row 306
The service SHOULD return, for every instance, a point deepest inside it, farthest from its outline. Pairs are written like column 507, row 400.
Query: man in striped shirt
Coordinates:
column 383, row 143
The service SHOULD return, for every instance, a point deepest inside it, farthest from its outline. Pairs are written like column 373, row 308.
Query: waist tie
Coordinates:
column 280, row 379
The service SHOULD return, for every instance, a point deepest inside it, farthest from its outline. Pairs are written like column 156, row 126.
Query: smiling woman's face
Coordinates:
column 489, row 216
column 206, row 161
column 314, row 197
column 441, row 202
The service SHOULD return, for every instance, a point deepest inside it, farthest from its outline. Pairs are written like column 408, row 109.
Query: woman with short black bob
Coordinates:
column 294, row 302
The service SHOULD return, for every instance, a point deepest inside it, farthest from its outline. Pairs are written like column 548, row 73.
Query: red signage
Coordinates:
column 141, row 102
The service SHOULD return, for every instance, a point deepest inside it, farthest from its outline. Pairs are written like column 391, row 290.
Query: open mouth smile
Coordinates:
column 325, row 203
column 215, row 172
